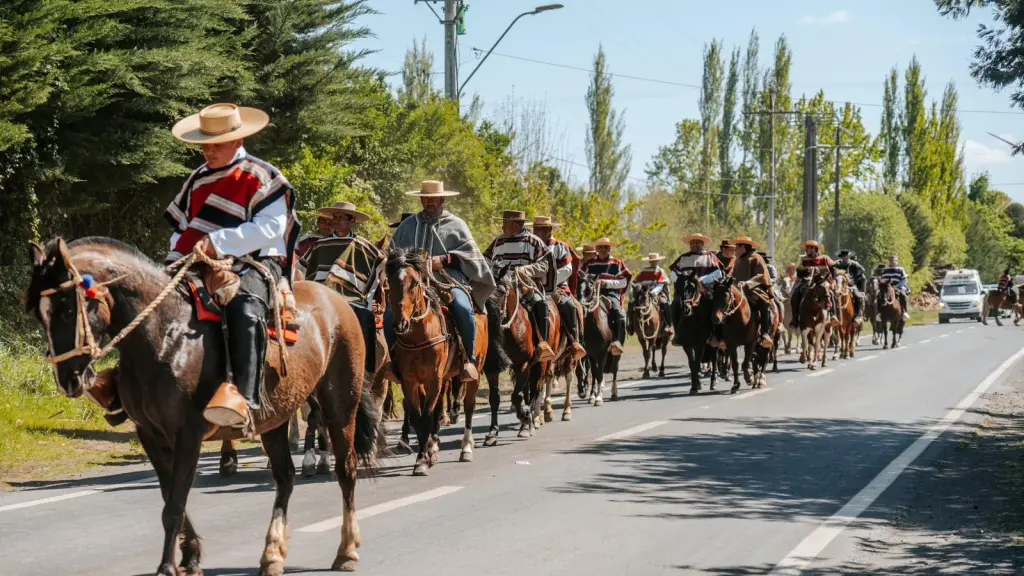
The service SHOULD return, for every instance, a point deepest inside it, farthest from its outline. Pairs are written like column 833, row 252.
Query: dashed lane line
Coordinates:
column 334, row 523
column 821, row 373
column 746, row 395
column 631, row 431
column 866, row 358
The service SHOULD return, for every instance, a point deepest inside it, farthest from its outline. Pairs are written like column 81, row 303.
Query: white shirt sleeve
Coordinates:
column 174, row 240
column 563, row 273
column 265, row 230
column 616, row 284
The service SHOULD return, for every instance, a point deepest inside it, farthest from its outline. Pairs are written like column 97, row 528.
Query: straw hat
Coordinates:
column 543, row 222
column 432, row 189
column 654, row 257
column 605, row 242
column 401, row 219
column 586, row 249
column 745, row 240
column 344, row 208
column 808, row 243
column 726, row 244
column 513, row 215
column 220, row 123
column 697, row 236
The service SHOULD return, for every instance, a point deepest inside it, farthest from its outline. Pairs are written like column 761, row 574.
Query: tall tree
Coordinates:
column 889, row 135
column 608, row 156
column 913, row 121
column 751, row 78
column 710, row 106
column 417, row 72
column 729, row 125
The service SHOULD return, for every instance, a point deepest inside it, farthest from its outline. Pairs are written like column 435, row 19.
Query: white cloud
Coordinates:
column 978, row 155
column 837, row 17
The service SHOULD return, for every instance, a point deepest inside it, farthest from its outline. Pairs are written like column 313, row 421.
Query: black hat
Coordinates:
column 844, row 253
column 764, row 255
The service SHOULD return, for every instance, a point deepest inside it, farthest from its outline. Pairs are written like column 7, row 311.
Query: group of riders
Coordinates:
column 236, row 205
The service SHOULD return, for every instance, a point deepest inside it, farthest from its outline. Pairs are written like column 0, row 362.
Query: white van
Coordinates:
column 961, row 296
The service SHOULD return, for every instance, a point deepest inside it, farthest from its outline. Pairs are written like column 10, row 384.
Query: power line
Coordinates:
column 697, row 87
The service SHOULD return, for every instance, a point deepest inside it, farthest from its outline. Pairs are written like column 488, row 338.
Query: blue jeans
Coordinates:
column 462, row 313
column 366, row 326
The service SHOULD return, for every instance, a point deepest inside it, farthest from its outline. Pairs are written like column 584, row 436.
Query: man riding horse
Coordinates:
column 1006, row 286
column 324, row 228
column 614, row 277
column 654, row 279
column 858, row 282
column 530, row 259
column 813, row 262
column 897, row 277
column 697, row 261
column 567, row 272
column 726, row 252
column 450, row 244
column 749, row 269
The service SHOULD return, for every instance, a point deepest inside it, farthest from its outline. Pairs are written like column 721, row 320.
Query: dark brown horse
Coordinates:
column 891, row 311
column 427, row 354
column 998, row 300
column 597, row 339
column 519, row 339
column 172, row 364
column 694, row 327
column 871, row 311
column 815, row 324
column 649, row 327
column 849, row 329
column 731, row 309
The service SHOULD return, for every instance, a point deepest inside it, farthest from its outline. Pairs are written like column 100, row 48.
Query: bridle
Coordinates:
column 733, row 304
column 591, row 304
column 511, row 317
column 428, row 306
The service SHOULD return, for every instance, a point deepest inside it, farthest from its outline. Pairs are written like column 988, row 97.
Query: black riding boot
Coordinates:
column 540, row 318
column 903, row 302
column 796, row 298
column 666, row 316
column 247, row 344
column 567, row 312
column 858, row 305
column 765, row 313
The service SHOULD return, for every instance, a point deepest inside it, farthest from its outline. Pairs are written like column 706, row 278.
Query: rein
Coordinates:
column 738, row 304
column 646, row 314
column 591, row 305
column 515, row 311
column 429, row 305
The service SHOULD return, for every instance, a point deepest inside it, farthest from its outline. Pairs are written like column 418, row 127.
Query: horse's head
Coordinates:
column 639, row 294
column 724, row 299
column 74, row 307
column 407, row 272
column 586, row 288
column 818, row 288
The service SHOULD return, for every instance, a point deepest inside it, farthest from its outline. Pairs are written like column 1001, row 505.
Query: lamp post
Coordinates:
column 537, row 10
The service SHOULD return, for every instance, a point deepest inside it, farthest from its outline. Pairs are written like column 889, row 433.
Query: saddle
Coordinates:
column 355, row 273
column 207, row 310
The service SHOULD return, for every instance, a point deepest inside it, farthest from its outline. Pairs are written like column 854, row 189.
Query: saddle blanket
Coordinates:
column 208, row 311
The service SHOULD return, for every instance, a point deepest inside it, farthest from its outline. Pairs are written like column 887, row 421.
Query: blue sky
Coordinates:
column 845, row 48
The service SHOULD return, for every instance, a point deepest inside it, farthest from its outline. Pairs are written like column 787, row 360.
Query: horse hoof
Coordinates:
column 734, row 389
column 229, row 467
column 324, row 465
column 598, row 402
column 344, row 565
column 566, row 416
column 421, row 469
column 454, row 419
column 694, row 391
column 614, row 398
column 524, row 433
column 309, row 463
column 272, row 569
column 403, row 448
column 549, row 415
column 466, row 456
column 491, row 441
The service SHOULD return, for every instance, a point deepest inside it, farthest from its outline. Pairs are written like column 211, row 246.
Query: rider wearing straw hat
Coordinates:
column 697, row 261
column 614, row 278
column 813, row 261
column 726, row 252
column 567, row 270
column 233, row 205
column 749, row 269
column 654, row 278
column 529, row 258
column 344, row 217
column 451, row 246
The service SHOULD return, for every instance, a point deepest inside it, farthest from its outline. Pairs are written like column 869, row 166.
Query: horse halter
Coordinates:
column 733, row 302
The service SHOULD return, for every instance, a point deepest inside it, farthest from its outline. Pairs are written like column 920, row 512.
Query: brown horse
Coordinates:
column 172, row 364
column 427, row 355
column 849, row 330
column 997, row 300
column 649, row 327
column 871, row 311
column 597, row 339
column 731, row 310
column 889, row 308
column 815, row 324
column 519, row 339
column 565, row 367
column 788, row 332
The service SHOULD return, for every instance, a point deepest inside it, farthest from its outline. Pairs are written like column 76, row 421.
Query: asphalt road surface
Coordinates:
column 780, row 479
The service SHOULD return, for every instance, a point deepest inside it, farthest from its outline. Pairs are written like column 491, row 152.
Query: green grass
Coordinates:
column 923, row 317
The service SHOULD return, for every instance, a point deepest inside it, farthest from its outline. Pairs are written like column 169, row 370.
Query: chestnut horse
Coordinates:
column 649, row 327
column 815, row 324
column 172, row 365
column 849, row 330
column 891, row 311
column 427, row 355
column 871, row 311
column 694, row 326
column 597, row 339
column 565, row 366
column 519, row 339
column 731, row 309
column 998, row 300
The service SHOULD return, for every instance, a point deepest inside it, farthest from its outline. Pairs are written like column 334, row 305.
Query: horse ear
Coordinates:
column 62, row 250
column 36, row 254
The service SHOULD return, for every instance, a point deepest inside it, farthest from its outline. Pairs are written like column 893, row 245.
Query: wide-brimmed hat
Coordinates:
column 808, row 243
column 344, row 208
column 605, row 242
column 543, row 222
column 844, row 253
column 726, row 244
column 432, row 189
column 745, row 240
column 220, row 123
column 513, row 215
column 655, row 257
column 697, row 236
column 401, row 219
column 587, row 249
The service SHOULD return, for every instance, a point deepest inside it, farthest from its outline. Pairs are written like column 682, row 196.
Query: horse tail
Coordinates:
column 370, row 431
column 497, row 361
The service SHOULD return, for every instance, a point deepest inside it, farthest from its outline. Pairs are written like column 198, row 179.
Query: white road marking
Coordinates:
column 863, row 358
column 751, row 393
column 78, row 494
column 958, row 331
column 925, row 341
column 333, row 523
column 820, row 373
column 631, row 383
column 943, row 335
column 816, row 541
column 630, row 431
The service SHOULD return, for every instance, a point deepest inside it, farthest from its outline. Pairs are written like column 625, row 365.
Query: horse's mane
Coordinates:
column 140, row 257
column 399, row 258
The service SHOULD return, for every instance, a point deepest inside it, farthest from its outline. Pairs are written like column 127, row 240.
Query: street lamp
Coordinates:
column 537, row 10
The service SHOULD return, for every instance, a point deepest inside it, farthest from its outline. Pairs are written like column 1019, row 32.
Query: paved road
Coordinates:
column 660, row 482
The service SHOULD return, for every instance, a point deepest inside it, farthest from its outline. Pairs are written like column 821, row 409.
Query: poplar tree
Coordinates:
column 608, row 155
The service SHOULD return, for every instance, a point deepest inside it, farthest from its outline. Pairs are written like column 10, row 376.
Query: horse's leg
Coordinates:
column 734, row 359
column 184, row 460
column 404, row 446
column 664, row 351
column 470, row 388
column 748, row 359
column 581, row 378
column 494, row 396
column 434, row 441
column 456, row 405
column 549, row 412
column 419, row 418
column 714, row 352
column 645, row 347
column 275, row 442
column 293, row 432
column 615, row 381
column 340, row 416
column 228, row 458
column 569, row 374
column 597, row 372
column 309, row 457
column 694, row 367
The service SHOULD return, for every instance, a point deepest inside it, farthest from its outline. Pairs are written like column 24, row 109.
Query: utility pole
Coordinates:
column 451, row 68
column 810, row 199
column 771, row 177
column 835, row 216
